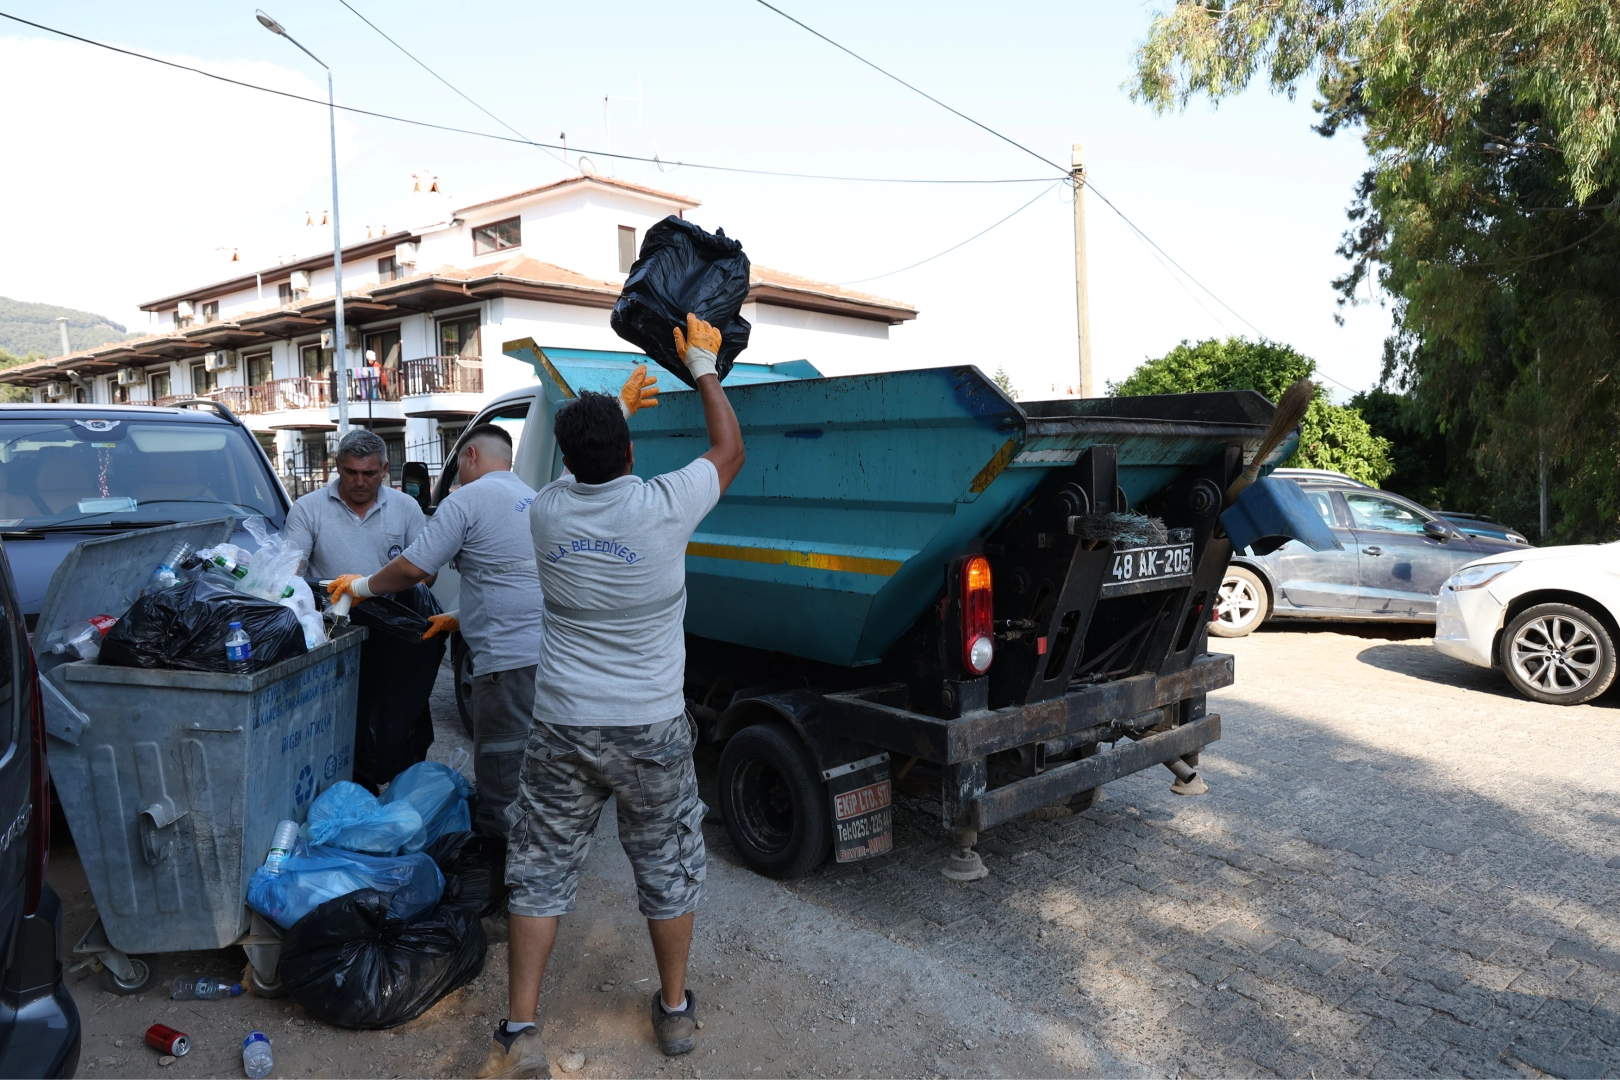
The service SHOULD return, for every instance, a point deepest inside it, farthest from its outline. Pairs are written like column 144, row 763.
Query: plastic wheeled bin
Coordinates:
column 173, row 781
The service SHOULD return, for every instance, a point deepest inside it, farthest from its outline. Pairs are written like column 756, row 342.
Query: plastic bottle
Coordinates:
column 256, row 1059
column 185, row 988
column 238, row 649
column 82, row 640
column 281, row 846
column 167, row 575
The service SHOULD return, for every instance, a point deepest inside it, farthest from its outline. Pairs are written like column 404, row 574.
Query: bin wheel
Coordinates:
column 461, row 664
column 774, row 801
column 145, row 976
column 260, row 988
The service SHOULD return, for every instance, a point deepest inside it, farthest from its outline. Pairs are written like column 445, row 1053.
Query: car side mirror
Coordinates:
column 1433, row 529
column 417, row 482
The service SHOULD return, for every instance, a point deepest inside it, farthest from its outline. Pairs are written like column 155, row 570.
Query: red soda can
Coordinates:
column 165, row 1038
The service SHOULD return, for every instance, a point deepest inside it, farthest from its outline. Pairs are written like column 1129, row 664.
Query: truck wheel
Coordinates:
column 774, row 801
column 461, row 664
column 1241, row 605
column 1557, row 654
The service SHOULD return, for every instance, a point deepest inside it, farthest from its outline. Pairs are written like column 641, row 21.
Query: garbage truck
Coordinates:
column 911, row 587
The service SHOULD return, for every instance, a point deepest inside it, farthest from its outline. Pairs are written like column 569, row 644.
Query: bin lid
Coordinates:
column 105, row 576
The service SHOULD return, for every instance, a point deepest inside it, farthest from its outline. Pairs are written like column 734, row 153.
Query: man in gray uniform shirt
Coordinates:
column 483, row 527
column 357, row 522
column 609, row 709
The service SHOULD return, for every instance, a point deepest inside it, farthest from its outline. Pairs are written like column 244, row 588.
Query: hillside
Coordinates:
column 30, row 329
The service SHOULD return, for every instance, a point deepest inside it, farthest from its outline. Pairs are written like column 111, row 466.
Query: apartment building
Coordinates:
column 426, row 311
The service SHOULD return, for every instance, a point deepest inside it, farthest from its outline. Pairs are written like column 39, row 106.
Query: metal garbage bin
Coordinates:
column 173, row 781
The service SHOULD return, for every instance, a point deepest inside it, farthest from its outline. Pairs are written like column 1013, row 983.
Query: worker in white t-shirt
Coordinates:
column 609, row 711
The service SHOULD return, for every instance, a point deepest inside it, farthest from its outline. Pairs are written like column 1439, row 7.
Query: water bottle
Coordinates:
column 256, row 1060
column 167, row 575
column 184, row 988
column 238, row 649
column 281, row 846
column 82, row 640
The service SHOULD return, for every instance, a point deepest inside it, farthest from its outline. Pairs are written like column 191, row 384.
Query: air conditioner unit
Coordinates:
column 405, row 254
column 327, row 337
column 54, row 391
column 352, row 335
column 220, row 361
column 300, row 281
column 131, row 376
column 184, row 310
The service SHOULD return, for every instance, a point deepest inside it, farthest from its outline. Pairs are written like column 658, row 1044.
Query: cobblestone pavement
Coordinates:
column 1401, row 869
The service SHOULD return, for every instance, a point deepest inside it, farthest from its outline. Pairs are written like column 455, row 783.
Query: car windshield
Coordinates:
column 114, row 472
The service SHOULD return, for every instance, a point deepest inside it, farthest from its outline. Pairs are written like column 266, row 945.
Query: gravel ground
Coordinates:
column 1401, row 869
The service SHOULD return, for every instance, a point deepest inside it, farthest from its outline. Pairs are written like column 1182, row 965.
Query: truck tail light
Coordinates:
column 39, row 826
column 978, row 641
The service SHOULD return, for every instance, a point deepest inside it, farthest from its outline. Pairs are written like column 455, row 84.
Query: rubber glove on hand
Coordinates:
column 698, row 347
column 442, row 624
column 640, row 391
column 356, row 585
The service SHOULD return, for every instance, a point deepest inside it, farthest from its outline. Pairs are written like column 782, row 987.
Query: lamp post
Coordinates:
column 341, row 368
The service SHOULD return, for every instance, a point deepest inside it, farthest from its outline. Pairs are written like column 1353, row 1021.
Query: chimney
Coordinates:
column 427, row 204
column 61, row 324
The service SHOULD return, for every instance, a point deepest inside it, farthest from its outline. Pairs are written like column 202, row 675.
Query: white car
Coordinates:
column 1548, row 617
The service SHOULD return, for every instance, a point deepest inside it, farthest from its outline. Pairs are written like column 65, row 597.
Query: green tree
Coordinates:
column 1486, row 216
column 1004, row 380
column 1331, row 436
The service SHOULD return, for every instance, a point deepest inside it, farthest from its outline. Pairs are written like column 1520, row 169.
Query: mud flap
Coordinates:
column 860, row 796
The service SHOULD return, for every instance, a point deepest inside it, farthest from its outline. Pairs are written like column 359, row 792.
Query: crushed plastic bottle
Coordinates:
column 256, row 1059
column 185, row 988
column 238, row 649
column 281, row 846
column 167, row 575
column 82, row 640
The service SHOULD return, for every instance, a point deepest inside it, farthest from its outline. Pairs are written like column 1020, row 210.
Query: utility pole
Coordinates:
column 1541, row 454
column 1077, row 161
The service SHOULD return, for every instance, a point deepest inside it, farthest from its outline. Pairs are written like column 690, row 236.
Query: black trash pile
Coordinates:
column 186, row 626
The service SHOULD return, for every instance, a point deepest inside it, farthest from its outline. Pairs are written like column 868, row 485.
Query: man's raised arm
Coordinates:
column 698, row 348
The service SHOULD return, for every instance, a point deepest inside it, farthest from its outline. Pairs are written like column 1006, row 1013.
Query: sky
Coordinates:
column 130, row 181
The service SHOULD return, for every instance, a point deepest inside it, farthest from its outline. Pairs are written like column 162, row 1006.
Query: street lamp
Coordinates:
column 342, row 367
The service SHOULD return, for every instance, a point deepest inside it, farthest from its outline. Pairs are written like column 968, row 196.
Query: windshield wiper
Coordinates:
column 81, row 526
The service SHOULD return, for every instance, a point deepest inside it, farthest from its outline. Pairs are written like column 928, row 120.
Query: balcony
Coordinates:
column 443, row 387
column 372, row 394
column 290, row 395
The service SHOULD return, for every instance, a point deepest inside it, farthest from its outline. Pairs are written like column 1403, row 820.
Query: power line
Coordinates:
column 969, row 240
column 511, row 138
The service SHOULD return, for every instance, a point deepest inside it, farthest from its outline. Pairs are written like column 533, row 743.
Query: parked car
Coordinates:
column 39, row 1024
column 71, row 472
column 1484, row 525
column 1548, row 617
column 1320, row 476
column 1395, row 556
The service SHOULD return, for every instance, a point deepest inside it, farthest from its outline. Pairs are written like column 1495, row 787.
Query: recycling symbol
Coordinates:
column 305, row 786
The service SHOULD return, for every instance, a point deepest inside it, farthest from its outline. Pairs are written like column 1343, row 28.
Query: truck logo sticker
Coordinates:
column 331, row 766
column 862, row 800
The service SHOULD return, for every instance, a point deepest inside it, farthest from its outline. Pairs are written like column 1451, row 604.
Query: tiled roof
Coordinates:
column 762, row 276
column 586, row 178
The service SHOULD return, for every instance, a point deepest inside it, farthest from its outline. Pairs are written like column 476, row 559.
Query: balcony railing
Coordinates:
column 238, row 399
column 369, row 384
column 444, row 375
column 283, row 395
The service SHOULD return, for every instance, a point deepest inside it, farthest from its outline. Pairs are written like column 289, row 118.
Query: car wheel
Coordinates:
column 774, row 801
column 1241, row 605
column 461, row 663
column 144, row 976
column 1558, row 654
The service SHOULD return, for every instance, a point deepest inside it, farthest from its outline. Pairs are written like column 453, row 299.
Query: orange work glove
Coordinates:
column 442, row 624
column 640, row 391
column 699, row 347
column 355, row 585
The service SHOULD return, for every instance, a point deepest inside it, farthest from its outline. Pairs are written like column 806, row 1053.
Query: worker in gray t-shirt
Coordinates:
column 357, row 522
column 482, row 528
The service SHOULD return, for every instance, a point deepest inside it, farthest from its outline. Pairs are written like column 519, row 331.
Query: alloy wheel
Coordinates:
column 1237, row 602
column 1556, row 654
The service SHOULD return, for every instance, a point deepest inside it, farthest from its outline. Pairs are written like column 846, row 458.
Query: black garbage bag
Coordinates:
column 185, row 627
column 394, row 726
column 352, row 964
column 684, row 269
column 475, row 866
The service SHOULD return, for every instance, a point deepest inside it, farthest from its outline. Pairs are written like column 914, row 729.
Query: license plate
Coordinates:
column 1145, row 569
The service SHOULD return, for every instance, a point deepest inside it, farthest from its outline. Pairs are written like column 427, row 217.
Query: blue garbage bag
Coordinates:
column 312, row 875
column 438, row 793
column 348, row 816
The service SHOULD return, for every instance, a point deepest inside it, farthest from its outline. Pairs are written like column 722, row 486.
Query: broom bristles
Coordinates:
column 1291, row 409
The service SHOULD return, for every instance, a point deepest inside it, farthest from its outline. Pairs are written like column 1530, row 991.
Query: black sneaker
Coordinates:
column 676, row 1031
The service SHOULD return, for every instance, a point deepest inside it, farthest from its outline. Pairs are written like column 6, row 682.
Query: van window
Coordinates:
column 510, row 418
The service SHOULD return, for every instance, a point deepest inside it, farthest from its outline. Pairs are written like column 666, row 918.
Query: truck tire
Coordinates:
column 774, row 801
column 1557, row 654
column 1241, row 605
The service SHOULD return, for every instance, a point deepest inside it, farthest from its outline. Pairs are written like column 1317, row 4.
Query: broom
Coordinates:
column 1290, row 411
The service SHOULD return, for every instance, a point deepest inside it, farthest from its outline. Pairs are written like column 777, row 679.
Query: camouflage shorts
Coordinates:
column 568, row 773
